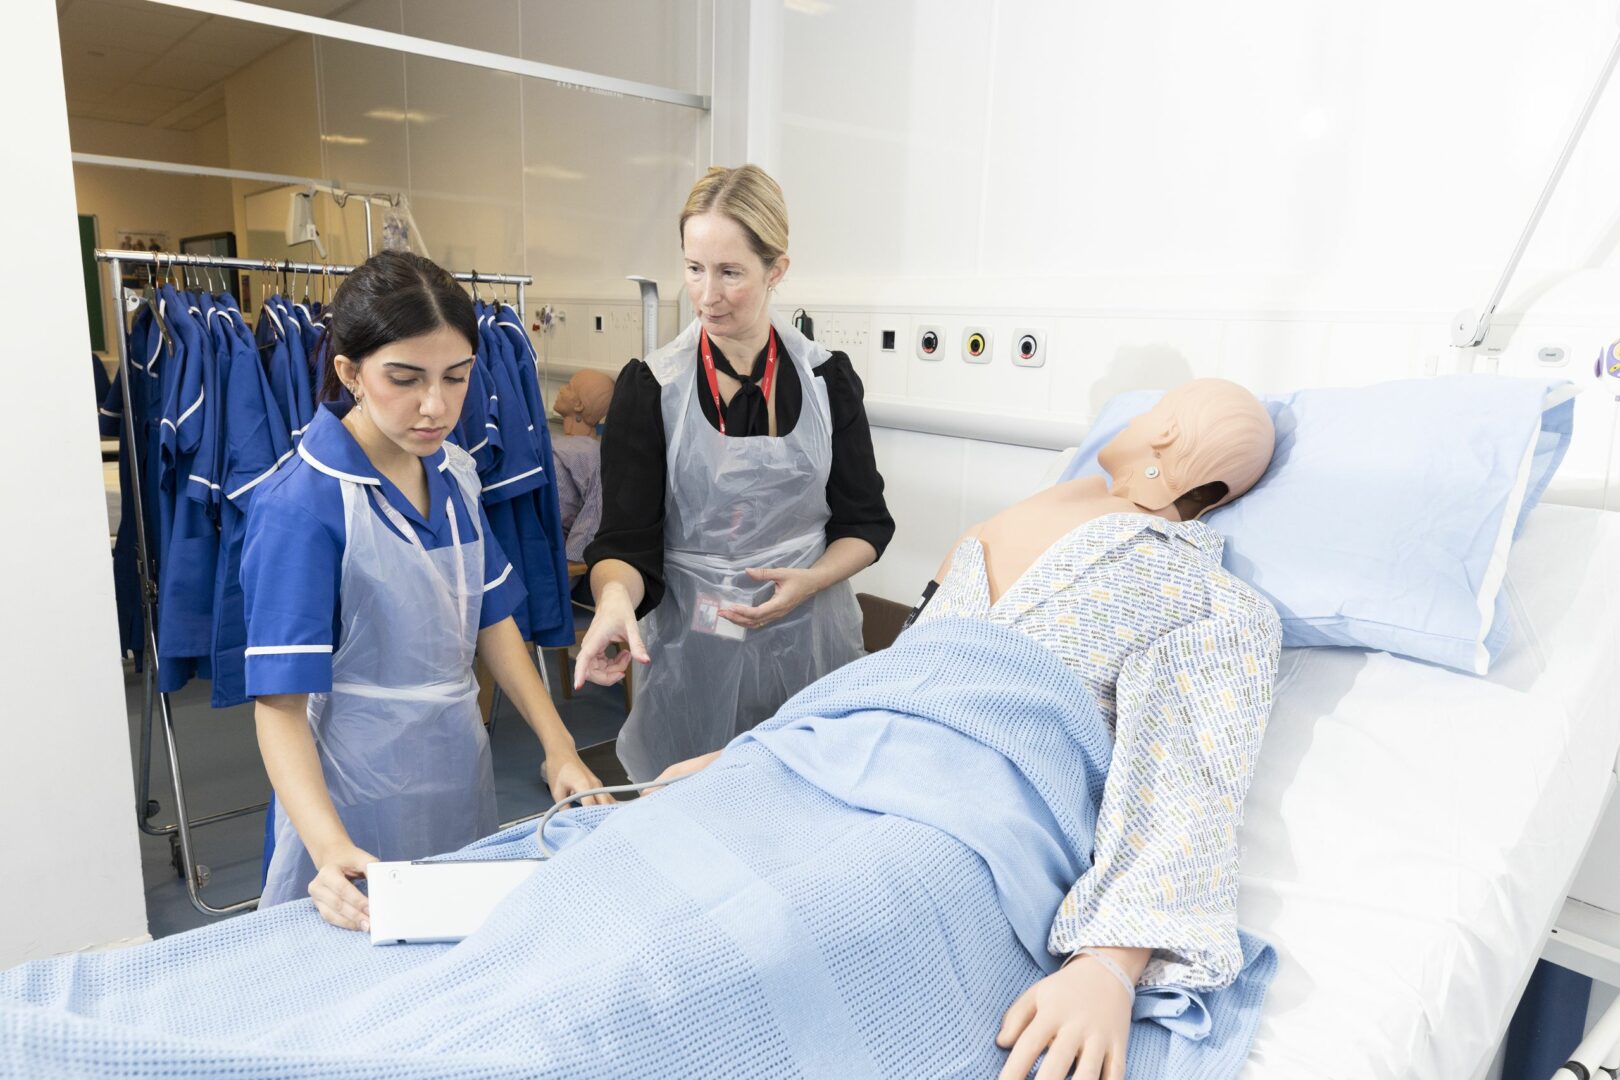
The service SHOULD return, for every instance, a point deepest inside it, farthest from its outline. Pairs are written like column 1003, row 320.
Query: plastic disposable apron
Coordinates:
column 730, row 504
column 400, row 737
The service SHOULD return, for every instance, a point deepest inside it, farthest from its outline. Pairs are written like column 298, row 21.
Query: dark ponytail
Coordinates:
column 392, row 296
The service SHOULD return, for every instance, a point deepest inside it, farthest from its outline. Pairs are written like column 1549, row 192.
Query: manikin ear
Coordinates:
column 1168, row 432
column 1154, row 492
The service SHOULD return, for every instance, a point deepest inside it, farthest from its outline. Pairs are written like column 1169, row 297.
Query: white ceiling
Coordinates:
column 140, row 63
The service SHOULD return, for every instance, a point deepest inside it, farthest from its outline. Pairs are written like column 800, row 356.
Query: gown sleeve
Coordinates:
column 633, row 482
column 1191, row 709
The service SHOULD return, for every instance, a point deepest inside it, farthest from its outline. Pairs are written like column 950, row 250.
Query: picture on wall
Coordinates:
column 219, row 244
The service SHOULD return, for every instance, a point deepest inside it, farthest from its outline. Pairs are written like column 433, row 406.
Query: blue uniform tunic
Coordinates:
column 188, row 540
column 292, row 556
column 254, row 442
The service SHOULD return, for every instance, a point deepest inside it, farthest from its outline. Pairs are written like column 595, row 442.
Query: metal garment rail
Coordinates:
column 179, row 833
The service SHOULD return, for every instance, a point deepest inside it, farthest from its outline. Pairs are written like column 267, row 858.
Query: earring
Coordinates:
column 1151, row 472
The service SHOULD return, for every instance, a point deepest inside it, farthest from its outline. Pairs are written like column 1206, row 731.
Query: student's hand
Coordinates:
column 614, row 622
column 333, row 890
column 1080, row 1015
column 680, row 769
column 566, row 774
column 793, row 587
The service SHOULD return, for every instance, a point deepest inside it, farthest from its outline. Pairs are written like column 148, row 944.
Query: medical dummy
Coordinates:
column 583, row 402
column 1011, row 833
column 577, row 454
column 1203, row 445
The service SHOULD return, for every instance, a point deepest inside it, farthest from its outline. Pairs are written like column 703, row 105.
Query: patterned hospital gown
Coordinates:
column 1180, row 656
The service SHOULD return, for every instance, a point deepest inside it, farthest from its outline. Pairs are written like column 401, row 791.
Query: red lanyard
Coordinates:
column 714, row 380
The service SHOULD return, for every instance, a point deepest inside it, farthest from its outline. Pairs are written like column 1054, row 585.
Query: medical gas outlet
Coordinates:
column 930, row 343
column 1029, row 348
column 976, row 346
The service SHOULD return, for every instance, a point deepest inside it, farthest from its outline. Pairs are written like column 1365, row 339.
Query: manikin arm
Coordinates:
column 1191, row 710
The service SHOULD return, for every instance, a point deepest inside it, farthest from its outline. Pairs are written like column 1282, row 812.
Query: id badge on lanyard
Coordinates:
column 765, row 383
column 706, row 617
column 708, row 603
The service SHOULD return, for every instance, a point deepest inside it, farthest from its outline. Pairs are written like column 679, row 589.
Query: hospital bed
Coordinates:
column 1412, row 832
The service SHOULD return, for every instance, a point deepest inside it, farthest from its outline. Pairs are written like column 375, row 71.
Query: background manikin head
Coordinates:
column 583, row 402
column 1205, row 443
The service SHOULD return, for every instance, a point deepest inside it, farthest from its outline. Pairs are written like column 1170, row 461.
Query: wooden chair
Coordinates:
column 881, row 621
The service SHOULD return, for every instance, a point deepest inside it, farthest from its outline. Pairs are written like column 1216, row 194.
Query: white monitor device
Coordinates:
column 415, row 902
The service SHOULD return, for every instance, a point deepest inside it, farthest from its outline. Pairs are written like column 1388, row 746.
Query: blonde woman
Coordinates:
column 739, row 495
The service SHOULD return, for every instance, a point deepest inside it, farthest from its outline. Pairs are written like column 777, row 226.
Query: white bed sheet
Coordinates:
column 1412, row 832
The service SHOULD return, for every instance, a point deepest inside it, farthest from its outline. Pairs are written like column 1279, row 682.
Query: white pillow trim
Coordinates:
column 1496, row 570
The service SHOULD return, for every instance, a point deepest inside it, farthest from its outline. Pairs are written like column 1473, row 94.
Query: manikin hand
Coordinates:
column 680, row 769
column 793, row 587
column 1080, row 1015
column 615, row 621
column 333, row 890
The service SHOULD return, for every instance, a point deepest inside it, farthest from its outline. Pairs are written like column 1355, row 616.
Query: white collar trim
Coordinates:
column 320, row 466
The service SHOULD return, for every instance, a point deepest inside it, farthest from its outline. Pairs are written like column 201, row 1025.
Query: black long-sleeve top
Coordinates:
column 634, row 466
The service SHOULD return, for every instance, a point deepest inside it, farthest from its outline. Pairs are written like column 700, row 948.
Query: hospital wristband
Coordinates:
column 1113, row 969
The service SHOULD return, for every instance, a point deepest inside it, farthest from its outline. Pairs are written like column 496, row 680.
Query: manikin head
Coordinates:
column 1205, row 443
column 583, row 402
column 734, row 236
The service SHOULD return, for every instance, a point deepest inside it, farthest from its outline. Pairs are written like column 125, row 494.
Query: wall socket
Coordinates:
column 930, row 343
column 1029, row 348
column 976, row 345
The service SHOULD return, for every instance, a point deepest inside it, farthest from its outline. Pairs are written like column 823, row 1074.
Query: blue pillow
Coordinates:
column 1386, row 516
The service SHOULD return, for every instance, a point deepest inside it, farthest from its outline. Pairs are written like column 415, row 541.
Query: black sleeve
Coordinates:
column 633, row 485
column 855, row 487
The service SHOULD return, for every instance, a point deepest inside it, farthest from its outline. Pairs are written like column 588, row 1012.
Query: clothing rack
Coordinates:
column 179, row 832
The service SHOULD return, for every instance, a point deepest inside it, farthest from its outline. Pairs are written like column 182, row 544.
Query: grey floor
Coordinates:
column 220, row 766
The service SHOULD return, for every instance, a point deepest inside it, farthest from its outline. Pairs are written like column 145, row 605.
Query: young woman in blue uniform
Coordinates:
column 370, row 577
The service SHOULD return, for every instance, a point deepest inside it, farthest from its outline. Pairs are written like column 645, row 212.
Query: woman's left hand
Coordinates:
column 566, row 774
column 793, row 587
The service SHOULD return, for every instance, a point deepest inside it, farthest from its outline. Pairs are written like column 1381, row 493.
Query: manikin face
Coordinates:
column 728, row 284
column 412, row 390
column 1148, row 443
column 567, row 402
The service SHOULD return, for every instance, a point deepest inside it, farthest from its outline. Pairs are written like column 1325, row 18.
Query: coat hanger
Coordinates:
column 154, row 302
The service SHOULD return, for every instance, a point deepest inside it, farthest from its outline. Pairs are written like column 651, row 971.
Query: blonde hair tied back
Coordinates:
column 748, row 196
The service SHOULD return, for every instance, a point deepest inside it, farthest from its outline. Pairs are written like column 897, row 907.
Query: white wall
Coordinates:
column 1273, row 154
column 120, row 199
column 73, row 877
column 504, row 174
column 1282, row 192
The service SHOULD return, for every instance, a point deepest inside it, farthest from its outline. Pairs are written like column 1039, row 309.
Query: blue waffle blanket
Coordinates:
column 859, row 887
